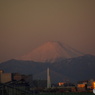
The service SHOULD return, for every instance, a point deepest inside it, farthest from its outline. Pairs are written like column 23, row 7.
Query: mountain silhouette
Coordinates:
column 67, row 63
column 51, row 52
column 72, row 69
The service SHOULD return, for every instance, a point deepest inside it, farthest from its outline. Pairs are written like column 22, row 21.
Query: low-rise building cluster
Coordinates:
column 26, row 82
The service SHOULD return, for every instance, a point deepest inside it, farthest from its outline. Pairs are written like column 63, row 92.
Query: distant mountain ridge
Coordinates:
column 51, row 52
column 73, row 69
column 67, row 63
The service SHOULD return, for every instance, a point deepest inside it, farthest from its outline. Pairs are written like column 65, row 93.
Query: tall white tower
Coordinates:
column 48, row 78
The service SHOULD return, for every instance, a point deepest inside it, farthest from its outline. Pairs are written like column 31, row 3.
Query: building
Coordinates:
column 60, row 83
column 16, row 76
column 82, row 86
column 5, row 77
column 91, row 84
column 1, row 71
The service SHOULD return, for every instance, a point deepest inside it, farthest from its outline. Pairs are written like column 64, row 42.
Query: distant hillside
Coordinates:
column 80, row 68
column 73, row 69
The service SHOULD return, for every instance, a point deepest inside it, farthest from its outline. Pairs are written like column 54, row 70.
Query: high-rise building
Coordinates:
column 48, row 78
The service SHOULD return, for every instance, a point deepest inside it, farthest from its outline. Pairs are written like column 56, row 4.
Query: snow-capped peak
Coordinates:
column 50, row 52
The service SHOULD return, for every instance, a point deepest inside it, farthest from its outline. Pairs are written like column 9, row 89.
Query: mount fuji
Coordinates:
column 67, row 63
column 51, row 52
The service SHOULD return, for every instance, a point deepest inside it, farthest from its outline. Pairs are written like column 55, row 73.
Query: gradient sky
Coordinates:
column 26, row 24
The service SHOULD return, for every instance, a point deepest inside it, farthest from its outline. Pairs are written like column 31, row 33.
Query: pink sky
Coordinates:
column 26, row 24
